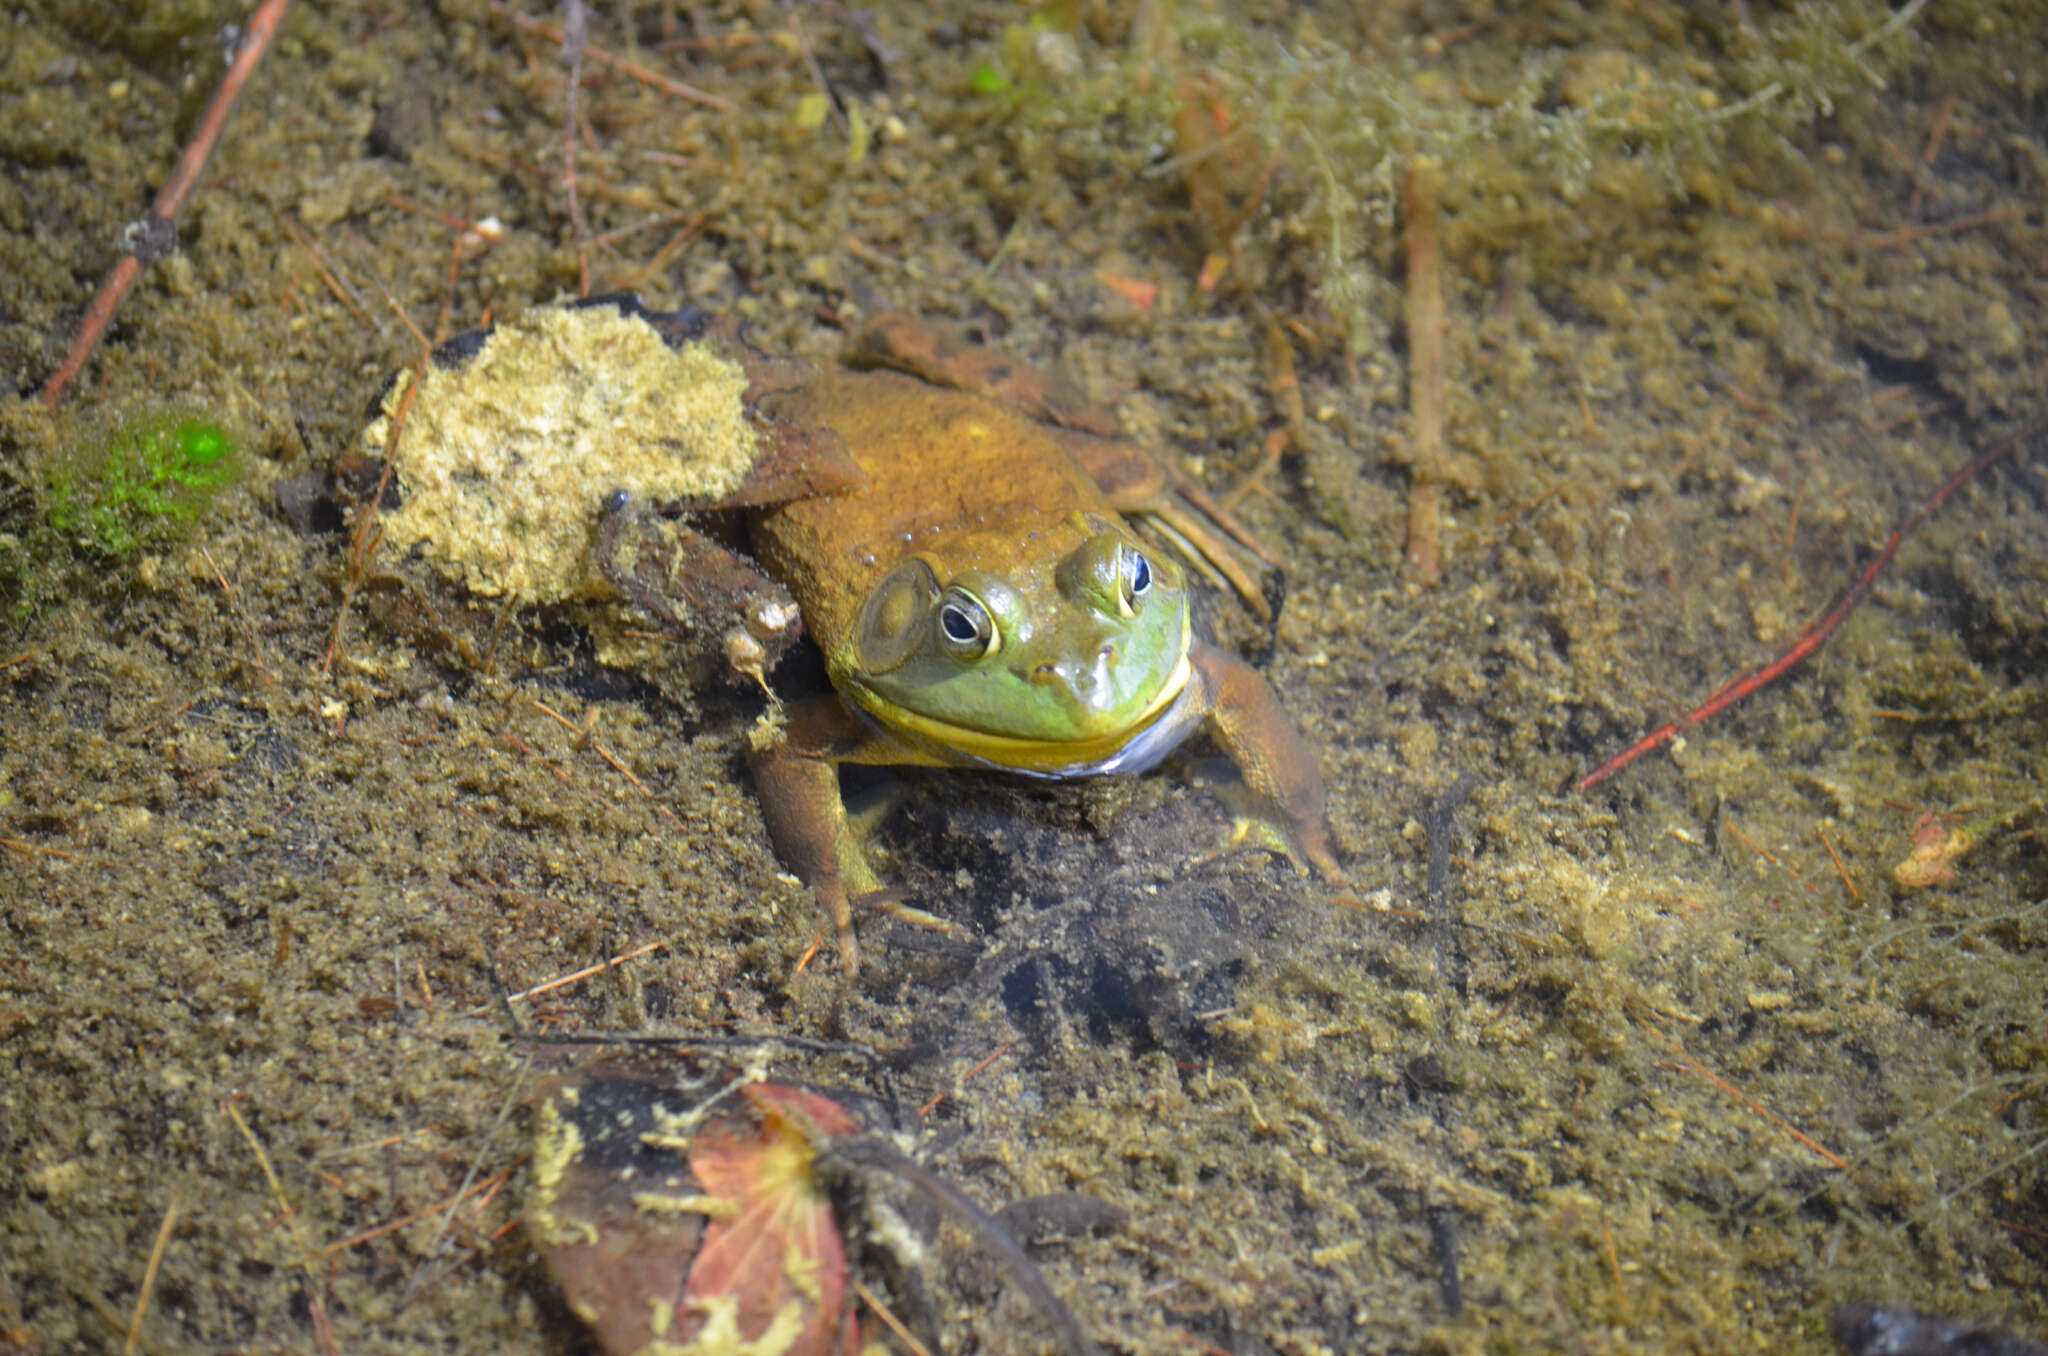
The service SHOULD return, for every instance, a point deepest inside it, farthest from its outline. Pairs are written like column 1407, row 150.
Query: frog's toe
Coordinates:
column 1318, row 851
column 1262, row 835
column 832, row 897
column 891, row 903
column 1250, row 834
column 1256, row 827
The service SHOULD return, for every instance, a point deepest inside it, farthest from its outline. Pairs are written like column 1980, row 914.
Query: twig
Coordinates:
column 893, row 1323
column 586, row 184
column 1425, row 372
column 1943, row 112
column 448, row 292
column 364, row 540
column 561, row 774
column 1905, row 235
column 316, row 1288
column 377, row 1231
column 817, row 72
column 155, row 234
column 419, row 335
column 31, row 849
column 1687, row 1066
column 505, row 1109
column 2016, row 1228
column 385, row 1142
column 817, row 940
column 1450, row 971
column 986, row 1060
column 601, row 751
column 575, row 36
column 1760, row 850
column 235, row 606
column 343, row 293
column 284, row 1204
column 1614, row 1269
column 1855, row 895
column 585, row 973
column 1283, row 385
column 1910, row 416
column 1816, row 635
column 632, row 69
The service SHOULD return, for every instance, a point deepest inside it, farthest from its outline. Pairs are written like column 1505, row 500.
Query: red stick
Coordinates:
column 255, row 39
column 1816, row 635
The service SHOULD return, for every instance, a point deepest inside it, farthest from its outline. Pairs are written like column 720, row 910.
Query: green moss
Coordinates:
column 104, row 500
column 139, row 486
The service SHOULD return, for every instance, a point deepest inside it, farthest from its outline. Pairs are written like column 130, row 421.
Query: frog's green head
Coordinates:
column 1041, row 655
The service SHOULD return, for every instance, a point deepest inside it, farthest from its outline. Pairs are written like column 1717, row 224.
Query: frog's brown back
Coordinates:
column 942, row 470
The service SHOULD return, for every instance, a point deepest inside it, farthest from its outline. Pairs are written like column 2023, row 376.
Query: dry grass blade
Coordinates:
column 149, row 1273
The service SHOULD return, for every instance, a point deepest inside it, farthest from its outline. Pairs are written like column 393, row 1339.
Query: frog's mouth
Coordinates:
column 1153, row 733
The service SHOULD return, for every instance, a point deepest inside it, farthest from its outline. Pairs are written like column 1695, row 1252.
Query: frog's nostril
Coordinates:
column 1045, row 675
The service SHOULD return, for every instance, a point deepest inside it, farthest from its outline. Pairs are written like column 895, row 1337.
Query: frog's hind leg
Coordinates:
column 945, row 356
column 1138, row 483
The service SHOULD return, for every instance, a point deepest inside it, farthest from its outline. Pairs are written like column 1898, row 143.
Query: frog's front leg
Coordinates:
column 797, row 780
column 1246, row 721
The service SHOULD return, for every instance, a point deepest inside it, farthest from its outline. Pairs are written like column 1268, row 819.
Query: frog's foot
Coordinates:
column 687, row 581
column 797, row 779
column 1283, row 789
column 1253, row 828
column 891, row 904
column 849, row 885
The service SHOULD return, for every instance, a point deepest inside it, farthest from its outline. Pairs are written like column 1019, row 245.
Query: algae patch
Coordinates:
column 506, row 459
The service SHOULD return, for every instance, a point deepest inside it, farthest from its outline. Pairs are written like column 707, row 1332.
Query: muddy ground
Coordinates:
column 1675, row 1064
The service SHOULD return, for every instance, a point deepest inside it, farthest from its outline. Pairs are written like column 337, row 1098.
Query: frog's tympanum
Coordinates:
column 953, row 534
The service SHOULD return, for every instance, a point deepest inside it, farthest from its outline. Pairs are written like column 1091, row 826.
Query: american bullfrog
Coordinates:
column 981, row 601
column 947, row 526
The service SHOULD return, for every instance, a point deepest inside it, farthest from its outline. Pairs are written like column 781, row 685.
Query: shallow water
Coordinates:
column 1678, row 1059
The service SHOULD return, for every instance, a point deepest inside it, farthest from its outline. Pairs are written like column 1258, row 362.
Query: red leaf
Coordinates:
column 772, row 1265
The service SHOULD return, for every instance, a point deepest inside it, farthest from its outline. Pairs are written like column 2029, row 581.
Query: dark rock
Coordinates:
column 307, row 502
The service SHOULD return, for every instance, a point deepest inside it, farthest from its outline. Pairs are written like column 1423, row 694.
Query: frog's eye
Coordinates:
column 892, row 619
column 966, row 629
column 1134, row 577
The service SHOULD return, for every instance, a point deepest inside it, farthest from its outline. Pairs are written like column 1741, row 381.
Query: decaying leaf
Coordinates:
column 774, row 1248
column 685, row 1212
column 683, row 1216
column 1935, row 852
